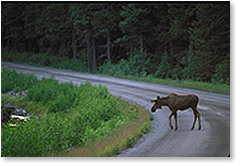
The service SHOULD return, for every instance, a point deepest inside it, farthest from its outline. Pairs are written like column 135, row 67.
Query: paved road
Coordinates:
column 213, row 140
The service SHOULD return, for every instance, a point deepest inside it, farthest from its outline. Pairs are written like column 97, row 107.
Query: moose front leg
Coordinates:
column 170, row 122
column 170, row 118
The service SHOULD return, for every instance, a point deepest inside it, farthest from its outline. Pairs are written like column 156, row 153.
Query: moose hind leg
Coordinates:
column 199, row 121
column 176, row 122
column 195, row 118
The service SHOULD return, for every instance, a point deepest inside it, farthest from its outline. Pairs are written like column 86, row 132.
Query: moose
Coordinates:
column 177, row 102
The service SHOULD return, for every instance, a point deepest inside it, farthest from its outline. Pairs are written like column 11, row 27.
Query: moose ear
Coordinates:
column 158, row 97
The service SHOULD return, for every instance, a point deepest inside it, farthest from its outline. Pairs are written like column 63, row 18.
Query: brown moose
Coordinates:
column 177, row 102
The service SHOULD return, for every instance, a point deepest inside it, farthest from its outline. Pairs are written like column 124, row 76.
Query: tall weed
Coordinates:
column 11, row 80
column 75, row 116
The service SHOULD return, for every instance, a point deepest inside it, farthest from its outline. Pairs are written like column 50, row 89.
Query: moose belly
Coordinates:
column 184, row 108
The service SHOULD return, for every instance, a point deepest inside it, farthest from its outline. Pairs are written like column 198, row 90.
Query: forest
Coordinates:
column 182, row 41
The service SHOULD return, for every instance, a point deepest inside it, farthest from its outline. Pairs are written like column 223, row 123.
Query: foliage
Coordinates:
column 210, row 40
column 176, row 37
column 222, row 73
column 136, row 65
column 11, row 80
column 134, row 24
column 47, row 60
column 75, row 117
column 164, row 68
column 190, row 84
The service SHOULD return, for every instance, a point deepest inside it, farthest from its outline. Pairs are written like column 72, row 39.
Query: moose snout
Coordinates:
column 153, row 109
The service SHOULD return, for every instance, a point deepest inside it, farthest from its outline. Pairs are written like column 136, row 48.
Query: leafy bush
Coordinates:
column 61, row 62
column 76, row 116
column 164, row 68
column 44, row 90
column 222, row 74
column 11, row 80
column 136, row 65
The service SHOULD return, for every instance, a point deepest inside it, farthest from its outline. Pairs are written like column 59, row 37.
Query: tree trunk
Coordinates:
column 141, row 43
column 62, row 51
column 89, row 55
column 15, row 42
column 171, row 48
column 109, row 47
column 8, row 43
column 131, row 46
column 94, row 53
column 74, row 46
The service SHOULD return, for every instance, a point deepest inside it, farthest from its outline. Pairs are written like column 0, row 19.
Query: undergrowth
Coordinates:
column 190, row 84
column 69, row 117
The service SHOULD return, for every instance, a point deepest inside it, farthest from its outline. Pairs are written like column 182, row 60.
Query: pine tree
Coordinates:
column 210, row 38
column 135, row 24
column 105, row 23
column 12, row 24
column 181, row 16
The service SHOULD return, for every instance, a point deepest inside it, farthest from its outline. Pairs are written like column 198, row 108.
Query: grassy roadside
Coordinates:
column 203, row 86
column 71, row 121
column 125, row 137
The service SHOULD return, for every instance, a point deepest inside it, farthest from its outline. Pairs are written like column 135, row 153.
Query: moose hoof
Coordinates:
column 171, row 127
column 176, row 129
column 192, row 128
column 200, row 127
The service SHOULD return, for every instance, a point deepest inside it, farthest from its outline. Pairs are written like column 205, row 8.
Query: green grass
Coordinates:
column 70, row 117
column 122, row 138
column 11, row 80
column 204, row 86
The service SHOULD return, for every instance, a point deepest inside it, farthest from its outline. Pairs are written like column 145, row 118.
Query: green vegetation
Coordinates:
column 134, row 69
column 59, row 62
column 69, row 118
column 136, row 66
column 179, row 41
column 198, row 85
column 11, row 80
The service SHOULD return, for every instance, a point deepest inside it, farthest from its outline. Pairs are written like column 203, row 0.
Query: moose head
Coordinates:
column 157, row 104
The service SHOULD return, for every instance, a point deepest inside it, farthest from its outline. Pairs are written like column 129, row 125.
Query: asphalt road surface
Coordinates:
column 212, row 141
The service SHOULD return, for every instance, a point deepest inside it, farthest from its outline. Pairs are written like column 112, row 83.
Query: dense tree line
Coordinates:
column 182, row 40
